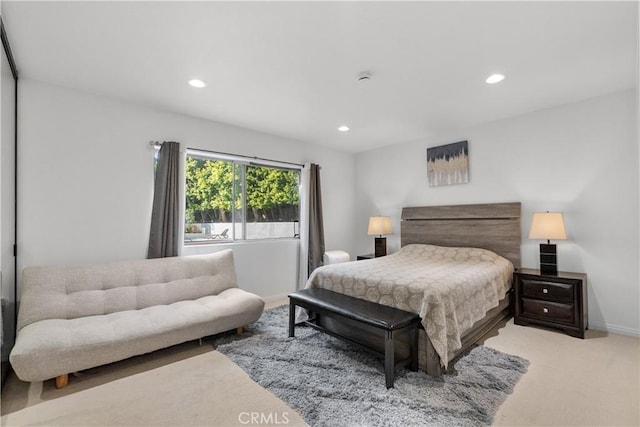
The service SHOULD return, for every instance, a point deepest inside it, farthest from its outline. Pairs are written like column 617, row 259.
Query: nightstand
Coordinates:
column 367, row 256
column 556, row 301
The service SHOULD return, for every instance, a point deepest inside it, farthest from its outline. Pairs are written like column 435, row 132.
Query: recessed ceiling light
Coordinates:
column 495, row 78
column 197, row 83
column 343, row 128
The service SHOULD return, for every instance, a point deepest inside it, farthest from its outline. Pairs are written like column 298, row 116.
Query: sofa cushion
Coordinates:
column 53, row 347
column 73, row 292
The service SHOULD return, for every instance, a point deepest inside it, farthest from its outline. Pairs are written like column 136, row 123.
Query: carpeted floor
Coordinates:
column 590, row 382
column 332, row 383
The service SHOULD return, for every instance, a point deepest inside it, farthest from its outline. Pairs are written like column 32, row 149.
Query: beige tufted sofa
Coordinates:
column 75, row 318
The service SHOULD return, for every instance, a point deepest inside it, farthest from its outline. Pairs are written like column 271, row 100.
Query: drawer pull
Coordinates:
column 545, row 310
column 545, row 290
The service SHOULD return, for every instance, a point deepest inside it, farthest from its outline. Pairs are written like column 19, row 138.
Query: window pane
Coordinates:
column 209, row 200
column 272, row 202
column 227, row 200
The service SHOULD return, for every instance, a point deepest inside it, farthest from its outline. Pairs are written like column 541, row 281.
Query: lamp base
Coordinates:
column 548, row 259
column 381, row 246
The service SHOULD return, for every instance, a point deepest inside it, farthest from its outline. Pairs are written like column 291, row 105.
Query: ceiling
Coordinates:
column 290, row 68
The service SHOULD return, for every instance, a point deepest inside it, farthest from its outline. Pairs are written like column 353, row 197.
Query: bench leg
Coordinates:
column 389, row 363
column 292, row 319
column 413, row 348
column 62, row 381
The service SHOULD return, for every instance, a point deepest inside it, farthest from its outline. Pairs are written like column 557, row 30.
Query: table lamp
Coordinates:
column 380, row 225
column 548, row 226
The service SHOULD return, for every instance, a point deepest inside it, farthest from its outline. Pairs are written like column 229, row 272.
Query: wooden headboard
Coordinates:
column 493, row 226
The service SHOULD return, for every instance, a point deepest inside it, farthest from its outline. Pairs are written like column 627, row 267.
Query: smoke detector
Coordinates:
column 364, row 76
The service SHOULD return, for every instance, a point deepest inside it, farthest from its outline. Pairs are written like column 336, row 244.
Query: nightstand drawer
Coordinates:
column 555, row 291
column 551, row 311
column 553, row 300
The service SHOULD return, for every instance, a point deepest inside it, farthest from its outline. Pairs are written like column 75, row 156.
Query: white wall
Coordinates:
column 86, row 186
column 581, row 159
column 86, row 182
column 263, row 265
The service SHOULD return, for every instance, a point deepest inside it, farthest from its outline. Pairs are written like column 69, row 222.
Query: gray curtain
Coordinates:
column 165, row 215
column 316, row 226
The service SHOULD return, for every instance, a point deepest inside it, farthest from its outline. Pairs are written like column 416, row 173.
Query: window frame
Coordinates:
column 244, row 162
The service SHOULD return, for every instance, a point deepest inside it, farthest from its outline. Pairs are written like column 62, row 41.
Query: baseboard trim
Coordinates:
column 614, row 329
column 276, row 298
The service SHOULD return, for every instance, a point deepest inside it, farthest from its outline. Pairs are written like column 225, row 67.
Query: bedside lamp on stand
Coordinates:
column 548, row 226
column 380, row 225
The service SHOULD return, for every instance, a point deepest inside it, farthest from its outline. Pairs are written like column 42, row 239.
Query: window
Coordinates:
column 232, row 199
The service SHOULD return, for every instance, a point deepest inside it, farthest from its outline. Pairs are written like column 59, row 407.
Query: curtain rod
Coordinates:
column 158, row 144
column 245, row 157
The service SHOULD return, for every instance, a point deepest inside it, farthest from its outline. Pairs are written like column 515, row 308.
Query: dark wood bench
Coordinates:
column 378, row 320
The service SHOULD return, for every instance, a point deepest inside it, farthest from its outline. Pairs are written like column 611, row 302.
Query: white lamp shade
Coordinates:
column 547, row 226
column 380, row 225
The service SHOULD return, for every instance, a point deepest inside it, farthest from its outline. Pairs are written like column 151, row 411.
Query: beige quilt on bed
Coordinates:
column 450, row 288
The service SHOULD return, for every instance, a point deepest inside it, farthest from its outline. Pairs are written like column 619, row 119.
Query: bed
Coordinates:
column 455, row 269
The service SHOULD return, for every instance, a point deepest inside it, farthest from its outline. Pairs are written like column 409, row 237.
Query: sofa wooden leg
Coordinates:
column 240, row 330
column 62, row 381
